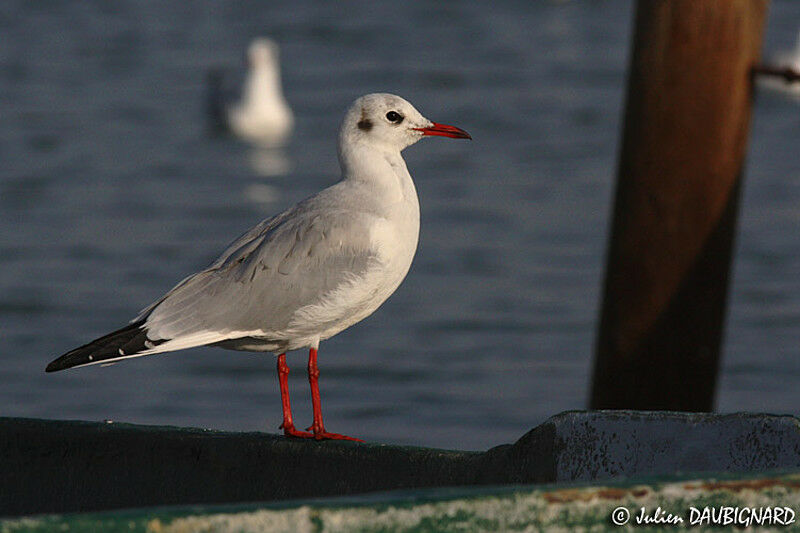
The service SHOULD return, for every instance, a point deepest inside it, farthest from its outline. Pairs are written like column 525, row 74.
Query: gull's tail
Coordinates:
column 129, row 341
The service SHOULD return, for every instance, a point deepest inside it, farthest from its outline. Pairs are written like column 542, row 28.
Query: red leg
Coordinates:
column 283, row 378
column 313, row 379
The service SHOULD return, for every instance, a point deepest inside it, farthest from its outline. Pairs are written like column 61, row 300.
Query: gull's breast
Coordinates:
column 392, row 250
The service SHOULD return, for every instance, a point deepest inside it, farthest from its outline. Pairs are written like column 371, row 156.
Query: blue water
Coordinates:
column 111, row 191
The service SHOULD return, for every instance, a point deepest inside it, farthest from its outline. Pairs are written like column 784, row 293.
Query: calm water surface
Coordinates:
column 111, row 191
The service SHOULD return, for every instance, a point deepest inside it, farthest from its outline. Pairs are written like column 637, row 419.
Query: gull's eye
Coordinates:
column 394, row 117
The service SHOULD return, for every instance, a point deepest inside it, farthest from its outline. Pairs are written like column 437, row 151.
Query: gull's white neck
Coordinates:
column 377, row 182
column 380, row 167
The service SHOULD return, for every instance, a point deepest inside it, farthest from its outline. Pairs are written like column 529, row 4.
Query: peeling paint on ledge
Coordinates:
column 531, row 508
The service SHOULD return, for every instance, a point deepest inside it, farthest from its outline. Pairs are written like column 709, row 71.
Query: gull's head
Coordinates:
column 390, row 122
column 262, row 52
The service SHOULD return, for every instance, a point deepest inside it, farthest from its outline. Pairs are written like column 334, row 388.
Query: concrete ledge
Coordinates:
column 599, row 445
column 57, row 466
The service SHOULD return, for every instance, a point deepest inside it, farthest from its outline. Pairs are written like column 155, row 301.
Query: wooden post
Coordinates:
column 680, row 170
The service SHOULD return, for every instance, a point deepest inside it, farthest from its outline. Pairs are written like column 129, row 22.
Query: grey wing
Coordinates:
column 241, row 246
column 263, row 278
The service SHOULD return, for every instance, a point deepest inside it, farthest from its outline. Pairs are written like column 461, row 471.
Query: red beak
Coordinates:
column 443, row 130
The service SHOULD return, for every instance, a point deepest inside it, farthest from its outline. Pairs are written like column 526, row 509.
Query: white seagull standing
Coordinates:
column 304, row 275
column 262, row 116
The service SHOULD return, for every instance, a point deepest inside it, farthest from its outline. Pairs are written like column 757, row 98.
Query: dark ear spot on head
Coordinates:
column 364, row 124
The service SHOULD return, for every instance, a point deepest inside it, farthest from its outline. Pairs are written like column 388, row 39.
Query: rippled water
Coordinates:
column 111, row 191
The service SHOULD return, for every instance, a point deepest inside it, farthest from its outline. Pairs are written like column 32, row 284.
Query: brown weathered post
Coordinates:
column 680, row 170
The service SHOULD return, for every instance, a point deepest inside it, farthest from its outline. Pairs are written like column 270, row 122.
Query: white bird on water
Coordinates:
column 262, row 116
column 304, row 275
column 789, row 59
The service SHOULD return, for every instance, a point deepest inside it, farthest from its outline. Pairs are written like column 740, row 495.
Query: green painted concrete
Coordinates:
column 489, row 509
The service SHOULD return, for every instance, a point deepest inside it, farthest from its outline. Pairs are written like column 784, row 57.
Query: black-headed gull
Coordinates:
column 261, row 116
column 306, row 274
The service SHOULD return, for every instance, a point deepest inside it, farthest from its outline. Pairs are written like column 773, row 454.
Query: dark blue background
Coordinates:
column 111, row 192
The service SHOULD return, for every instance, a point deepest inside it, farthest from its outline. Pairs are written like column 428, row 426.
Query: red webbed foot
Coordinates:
column 291, row 431
column 320, row 434
column 334, row 436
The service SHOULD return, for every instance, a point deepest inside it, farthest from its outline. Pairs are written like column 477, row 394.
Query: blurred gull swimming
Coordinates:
column 786, row 59
column 262, row 116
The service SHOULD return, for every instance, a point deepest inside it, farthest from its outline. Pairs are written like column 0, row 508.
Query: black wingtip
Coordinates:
column 68, row 360
column 76, row 357
column 125, row 342
column 64, row 362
